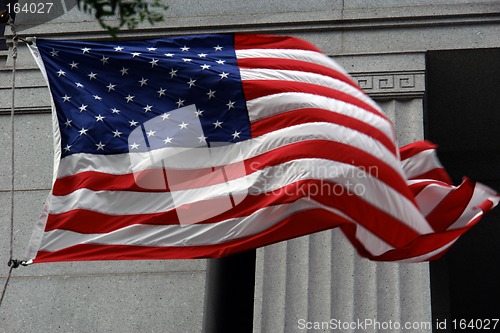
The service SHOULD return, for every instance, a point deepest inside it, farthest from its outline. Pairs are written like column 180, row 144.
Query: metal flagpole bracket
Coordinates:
column 14, row 263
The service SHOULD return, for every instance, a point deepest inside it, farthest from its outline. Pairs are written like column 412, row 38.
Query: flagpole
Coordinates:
column 229, row 294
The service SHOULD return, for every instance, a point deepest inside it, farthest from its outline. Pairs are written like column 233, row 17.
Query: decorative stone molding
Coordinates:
column 394, row 85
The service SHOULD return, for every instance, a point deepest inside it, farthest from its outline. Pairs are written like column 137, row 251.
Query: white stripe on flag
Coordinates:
column 421, row 163
column 306, row 77
column 223, row 155
column 478, row 197
column 271, row 105
column 303, row 55
column 431, row 196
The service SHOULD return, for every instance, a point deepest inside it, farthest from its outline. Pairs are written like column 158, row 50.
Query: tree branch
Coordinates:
column 129, row 12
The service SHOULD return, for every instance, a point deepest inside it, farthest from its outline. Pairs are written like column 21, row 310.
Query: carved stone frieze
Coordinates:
column 392, row 85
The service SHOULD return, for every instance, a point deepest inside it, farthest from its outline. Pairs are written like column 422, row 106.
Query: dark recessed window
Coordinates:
column 463, row 118
column 3, row 6
column 3, row 45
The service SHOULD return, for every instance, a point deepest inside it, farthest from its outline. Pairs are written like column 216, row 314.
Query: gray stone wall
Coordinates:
column 314, row 278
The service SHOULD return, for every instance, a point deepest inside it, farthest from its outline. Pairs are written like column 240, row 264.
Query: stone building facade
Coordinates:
column 383, row 44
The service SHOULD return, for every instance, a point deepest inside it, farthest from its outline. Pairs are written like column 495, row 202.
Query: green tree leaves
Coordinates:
column 129, row 12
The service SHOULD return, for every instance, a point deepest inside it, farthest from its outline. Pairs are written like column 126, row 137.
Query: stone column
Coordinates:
column 320, row 277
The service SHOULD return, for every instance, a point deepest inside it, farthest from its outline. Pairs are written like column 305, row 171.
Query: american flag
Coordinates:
column 207, row 145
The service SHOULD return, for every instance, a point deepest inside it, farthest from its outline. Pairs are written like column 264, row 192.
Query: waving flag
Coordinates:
column 208, row 145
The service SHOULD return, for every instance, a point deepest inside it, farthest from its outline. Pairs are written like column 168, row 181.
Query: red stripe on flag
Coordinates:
column 98, row 181
column 416, row 188
column 451, row 207
column 244, row 42
column 314, row 115
column 421, row 246
column 259, row 88
column 295, row 65
column 415, row 148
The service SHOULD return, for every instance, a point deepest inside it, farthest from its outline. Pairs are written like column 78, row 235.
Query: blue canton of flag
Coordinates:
column 103, row 90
